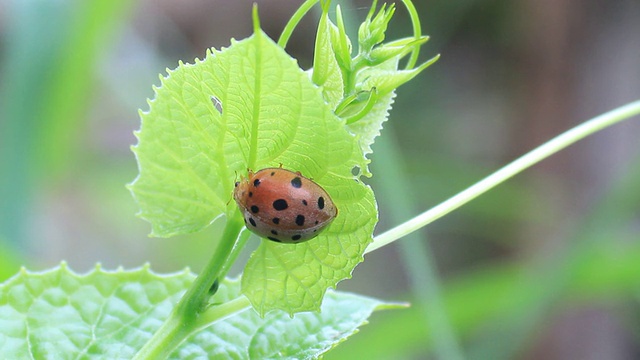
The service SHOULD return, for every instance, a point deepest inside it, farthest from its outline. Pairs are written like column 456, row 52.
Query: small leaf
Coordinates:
column 340, row 41
column 59, row 314
column 372, row 31
column 326, row 72
column 398, row 48
column 369, row 127
column 311, row 334
column 387, row 78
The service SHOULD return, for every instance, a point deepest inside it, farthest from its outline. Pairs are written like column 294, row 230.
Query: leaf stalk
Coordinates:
column 191, row 313
column 533, row 157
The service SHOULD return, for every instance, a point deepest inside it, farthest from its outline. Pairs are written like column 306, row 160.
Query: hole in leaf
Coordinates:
column 217, row 104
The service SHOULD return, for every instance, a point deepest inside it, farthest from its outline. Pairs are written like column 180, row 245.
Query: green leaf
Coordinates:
column 190, row 154
column 59, row 314
column 326, row 72
column 310, row 334
column 386, row 79
column 340, row 41
column 370, row 125
column 303, row 336
column 398, row 48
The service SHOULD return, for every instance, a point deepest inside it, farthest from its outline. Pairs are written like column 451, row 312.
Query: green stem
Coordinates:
column 221, row 312
column 373, row 98
column 185, row 317
column 293, row 22
column 536, row 155
column 417, row 32
column 237, row 248
column 168, row 337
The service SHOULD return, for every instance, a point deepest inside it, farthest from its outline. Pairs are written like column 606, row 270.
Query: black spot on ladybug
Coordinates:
column 300, row 220
column 316, row 223
column 321, row 203
column 274, row 232
column 273, row 239
column 254, row 209
column 276, row 221
column 237, row 183
column 296, row 237
column 296, row 182
column 273, row 173
column 314, row 230
column 304, row 202
column 280, row 204
column 256, row 182
column 250, row 194
column 253, row 222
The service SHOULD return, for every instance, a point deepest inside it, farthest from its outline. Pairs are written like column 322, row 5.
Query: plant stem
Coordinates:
column 221, row 312
column 293, row 22
column 185, row 317
column 536, row 155
column 417, row 33
column 172, row 332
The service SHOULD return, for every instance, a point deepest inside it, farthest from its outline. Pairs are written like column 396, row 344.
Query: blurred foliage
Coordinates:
column 485, row 302
column 10, row 262
column 52, row 49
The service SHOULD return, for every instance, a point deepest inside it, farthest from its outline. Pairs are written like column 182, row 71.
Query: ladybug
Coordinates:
column 283, row 206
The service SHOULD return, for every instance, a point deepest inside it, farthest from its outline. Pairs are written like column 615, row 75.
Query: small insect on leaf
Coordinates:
column 283, row 206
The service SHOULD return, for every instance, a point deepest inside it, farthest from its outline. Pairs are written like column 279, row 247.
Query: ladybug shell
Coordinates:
column 283, row 205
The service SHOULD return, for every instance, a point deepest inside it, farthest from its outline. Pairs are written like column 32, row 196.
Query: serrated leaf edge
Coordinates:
column 97, row 269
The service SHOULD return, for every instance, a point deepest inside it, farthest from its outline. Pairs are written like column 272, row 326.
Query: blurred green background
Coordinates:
column 547, row 266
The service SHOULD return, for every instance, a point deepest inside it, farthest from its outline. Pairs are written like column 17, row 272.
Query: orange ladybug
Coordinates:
column 283, row 206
